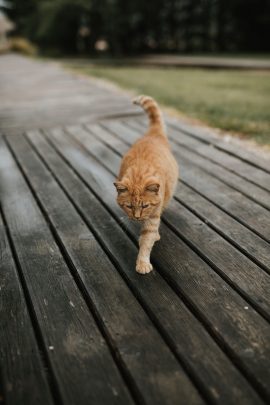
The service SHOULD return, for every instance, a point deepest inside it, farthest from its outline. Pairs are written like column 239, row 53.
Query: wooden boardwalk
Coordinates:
column 78, row 325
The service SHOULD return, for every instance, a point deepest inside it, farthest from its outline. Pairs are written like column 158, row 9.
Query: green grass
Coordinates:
column 237, row 101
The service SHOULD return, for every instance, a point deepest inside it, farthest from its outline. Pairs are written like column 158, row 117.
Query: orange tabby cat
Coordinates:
column 146, row 181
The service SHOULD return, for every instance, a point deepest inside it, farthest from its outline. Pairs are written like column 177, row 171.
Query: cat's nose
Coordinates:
column 137, row 213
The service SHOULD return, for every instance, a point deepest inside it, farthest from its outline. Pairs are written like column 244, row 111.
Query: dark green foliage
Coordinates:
column 143, row 26
column 52, row 24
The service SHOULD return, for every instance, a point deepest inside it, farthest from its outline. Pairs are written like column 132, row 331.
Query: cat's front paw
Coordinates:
column 143, row 267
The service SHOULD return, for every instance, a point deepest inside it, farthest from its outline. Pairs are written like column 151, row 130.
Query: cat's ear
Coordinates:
column 154, row 188
column 120, row 187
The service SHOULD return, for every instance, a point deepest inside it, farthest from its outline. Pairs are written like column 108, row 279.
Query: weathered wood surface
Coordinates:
column 35, row 94
column 78, row 325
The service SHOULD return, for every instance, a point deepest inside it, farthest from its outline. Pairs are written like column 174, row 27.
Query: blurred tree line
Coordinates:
column 132, row 26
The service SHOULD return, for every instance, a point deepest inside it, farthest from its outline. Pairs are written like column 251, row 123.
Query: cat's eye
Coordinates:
column 145, row 205
column 129, row 206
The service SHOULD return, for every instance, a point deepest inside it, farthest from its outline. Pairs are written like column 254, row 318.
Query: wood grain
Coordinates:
column 22, row 370
column 80, row 360
column 209, row 295
column 209, row 365
column 150, row 366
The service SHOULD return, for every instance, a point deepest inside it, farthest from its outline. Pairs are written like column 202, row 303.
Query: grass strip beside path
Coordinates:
column 232, row 100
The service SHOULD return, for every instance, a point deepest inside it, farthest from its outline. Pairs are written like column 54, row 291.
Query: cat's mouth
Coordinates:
column 137, row 219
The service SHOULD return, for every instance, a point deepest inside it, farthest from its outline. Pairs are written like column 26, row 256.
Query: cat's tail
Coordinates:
column 153, row 111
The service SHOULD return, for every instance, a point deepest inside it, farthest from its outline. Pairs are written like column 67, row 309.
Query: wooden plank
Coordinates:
column 252, row 215
column 23, row 374
column 80, row 359
column 244, row 239
column 146, row 360
column 108, row 138
column 248, row 242
column 243, row 332
column 205, row 361
column 206, row 136
column 231, row 201
column 240, row 272
column 238, row 183
column 200, row 155
column 233, row 164
column 42, row 95
column 122, row 131
column 250, row 280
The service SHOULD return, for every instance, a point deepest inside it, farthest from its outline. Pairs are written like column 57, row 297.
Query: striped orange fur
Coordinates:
column 147, row 180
